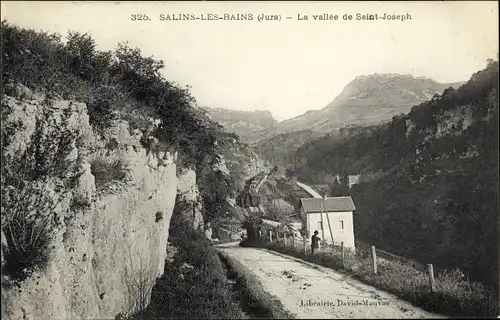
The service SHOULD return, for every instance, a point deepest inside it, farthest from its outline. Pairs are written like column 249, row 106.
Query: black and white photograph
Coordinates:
column 249, row 160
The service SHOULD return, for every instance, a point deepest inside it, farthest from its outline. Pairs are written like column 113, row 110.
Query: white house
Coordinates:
column 331, row 216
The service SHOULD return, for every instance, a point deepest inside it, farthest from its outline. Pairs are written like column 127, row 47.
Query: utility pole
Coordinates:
column 322, row 227
column 328, row 218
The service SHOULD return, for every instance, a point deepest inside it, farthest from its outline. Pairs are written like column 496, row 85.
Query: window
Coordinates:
column 341, row 225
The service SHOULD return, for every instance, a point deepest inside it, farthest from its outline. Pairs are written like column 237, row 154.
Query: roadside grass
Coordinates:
column 453, row 295
column 255, row 299
column 194, row 285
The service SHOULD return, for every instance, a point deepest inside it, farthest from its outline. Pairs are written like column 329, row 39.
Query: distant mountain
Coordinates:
column 242, row 123
column 368, row 99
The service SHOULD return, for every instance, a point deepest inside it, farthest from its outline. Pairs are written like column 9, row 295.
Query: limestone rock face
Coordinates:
column 188, row 191
column 109, row 227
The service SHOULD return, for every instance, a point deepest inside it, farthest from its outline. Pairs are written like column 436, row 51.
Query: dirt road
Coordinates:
column 309, row 190
column 312, row 291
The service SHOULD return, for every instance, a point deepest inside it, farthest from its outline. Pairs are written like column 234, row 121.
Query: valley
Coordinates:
column 418, row 158
column 124, row 197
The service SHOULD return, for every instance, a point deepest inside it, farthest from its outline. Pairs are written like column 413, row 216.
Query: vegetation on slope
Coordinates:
column 122, row 84
column 194, row 285
column 118, row 84
column 281, row 149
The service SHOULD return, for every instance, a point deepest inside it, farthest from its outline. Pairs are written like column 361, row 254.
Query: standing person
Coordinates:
column 315, row 241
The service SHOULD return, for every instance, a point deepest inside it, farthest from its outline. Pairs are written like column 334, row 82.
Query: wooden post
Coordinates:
column 431, row 277
column 285, row 238
column 374, row 259
column 328, row 219
column 270, row 236
column 322, row 227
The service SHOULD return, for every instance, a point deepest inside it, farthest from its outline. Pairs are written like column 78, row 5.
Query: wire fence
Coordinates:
column 448, row 293
column 345, row 256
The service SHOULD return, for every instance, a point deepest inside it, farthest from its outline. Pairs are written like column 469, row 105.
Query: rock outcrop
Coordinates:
column 187, row 189
column 108, row 217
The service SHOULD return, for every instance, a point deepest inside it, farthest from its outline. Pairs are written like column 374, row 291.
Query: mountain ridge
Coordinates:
column 367, row 99
column 389, row 93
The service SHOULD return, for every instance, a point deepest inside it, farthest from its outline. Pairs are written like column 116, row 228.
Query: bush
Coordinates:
column 28, row 225
column 28, row 241
column 106, row 170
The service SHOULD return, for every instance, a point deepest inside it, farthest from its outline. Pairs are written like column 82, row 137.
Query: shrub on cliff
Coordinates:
column 106, row 170
column 28, row 223
column 215, row 187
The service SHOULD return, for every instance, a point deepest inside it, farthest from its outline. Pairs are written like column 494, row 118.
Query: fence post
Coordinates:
column 270, row 236
column 431, row 277
column 260, row 235
column 304, row 242
column 285, row 238
column 374, row 259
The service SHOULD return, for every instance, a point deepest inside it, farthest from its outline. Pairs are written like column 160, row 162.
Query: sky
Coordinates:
column 289, row 66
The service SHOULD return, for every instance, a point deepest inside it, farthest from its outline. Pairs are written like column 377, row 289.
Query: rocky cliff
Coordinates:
column 100, row 207
column 242, row 123
column 105, row 226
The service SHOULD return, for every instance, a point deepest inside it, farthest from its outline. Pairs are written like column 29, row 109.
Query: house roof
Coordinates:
column 333, row 204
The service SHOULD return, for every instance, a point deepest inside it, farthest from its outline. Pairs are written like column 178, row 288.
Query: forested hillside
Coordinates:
column 436, row 198
column 281, row 148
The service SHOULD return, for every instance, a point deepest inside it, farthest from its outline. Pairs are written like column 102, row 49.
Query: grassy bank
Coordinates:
column 453, row 296
column 194, row 284
column 255, row 299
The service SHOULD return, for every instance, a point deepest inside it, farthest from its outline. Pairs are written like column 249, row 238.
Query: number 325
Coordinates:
column 139, row 17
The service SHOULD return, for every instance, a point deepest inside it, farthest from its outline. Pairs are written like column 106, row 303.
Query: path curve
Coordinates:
column 299, row 285
column 309, row 190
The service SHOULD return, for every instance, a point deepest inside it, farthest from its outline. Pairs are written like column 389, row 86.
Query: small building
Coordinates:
column 331, row 216
column 353, row 179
